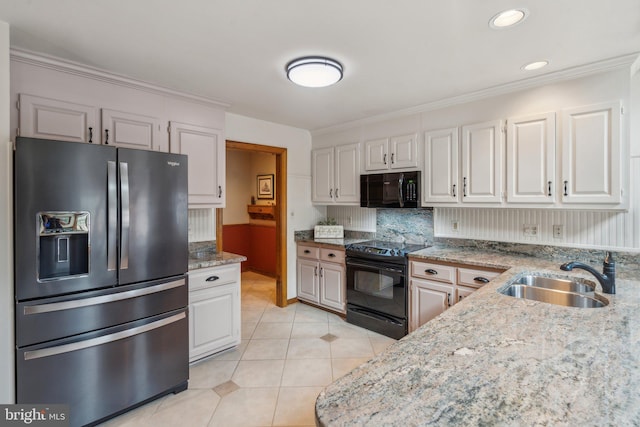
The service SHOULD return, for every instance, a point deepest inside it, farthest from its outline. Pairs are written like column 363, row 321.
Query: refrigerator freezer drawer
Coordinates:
column 100, row 374
column 53, row 318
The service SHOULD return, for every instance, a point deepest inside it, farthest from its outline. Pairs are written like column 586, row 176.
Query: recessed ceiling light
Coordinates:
column 508, row 18
column 314, row 71
column 535, row 65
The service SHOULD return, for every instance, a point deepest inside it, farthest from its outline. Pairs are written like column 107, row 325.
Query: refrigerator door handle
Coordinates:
column 103, row 299
column 94, row 342
column 112, row 216
column 124, row 220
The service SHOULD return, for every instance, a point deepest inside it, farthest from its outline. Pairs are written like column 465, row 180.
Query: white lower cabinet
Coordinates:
column 434, row 287
column 321, row 276
column 214, row 310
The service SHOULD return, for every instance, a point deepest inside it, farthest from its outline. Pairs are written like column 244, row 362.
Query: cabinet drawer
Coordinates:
column 208, row 277
column 425, row 270
column 475, row 278
column 332, row 255
column 312, row 252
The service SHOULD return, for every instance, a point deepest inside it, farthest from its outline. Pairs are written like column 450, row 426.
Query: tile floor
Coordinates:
column 272, row 378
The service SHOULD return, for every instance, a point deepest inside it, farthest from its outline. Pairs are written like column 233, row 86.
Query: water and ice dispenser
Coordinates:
column 63, row 245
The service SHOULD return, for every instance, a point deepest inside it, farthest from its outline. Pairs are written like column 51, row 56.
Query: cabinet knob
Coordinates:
column 212, row 278
column 431, row 271
column 481, row 279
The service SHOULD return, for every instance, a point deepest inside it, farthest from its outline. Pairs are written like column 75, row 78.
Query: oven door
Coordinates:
column 377, row 286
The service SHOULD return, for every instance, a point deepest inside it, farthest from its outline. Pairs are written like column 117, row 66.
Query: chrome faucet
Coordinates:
column 608, row 277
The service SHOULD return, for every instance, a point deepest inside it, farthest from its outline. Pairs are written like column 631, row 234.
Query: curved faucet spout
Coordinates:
column 607, row 278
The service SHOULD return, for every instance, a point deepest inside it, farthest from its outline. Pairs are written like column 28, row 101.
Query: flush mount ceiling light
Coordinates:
column 508, row 18
column 314, row 71
column 535, row 65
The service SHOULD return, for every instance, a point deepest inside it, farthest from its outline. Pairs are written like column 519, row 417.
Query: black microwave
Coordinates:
column 390, row 190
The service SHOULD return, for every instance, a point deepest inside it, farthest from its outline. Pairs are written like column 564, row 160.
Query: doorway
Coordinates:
column 279, row 212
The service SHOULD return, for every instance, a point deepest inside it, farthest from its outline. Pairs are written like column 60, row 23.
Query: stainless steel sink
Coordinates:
column 556, row 284
column 565, row 292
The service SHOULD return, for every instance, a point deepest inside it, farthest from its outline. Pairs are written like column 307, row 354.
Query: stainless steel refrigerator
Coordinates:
column 101, row 256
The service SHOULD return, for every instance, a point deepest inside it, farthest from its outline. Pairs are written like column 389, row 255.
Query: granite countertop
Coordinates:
column 206, row 259
column 332, row 242
column 497, row 360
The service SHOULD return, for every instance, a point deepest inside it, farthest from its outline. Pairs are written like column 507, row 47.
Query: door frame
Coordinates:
column 280, row 213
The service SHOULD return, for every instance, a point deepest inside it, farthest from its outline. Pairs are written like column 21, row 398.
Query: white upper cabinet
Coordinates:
column 336, row 174
column 531, row 154
column 397, row 152
column 404, row 151
column 440, row 179
column 322, row 173
column 55, row 119
column 591, row 154
column 130, row 130
column 376, row 153
column 482, row 169
column 205, row 148
column 347, row 174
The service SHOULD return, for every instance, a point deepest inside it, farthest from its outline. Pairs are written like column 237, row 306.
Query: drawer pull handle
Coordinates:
column 307, row 251
column 481, row 279
column 332, row 255
column 431, row 271
column 448, row 300
column 212, row 278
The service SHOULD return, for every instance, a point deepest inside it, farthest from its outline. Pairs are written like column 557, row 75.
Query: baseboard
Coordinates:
column 292, row 301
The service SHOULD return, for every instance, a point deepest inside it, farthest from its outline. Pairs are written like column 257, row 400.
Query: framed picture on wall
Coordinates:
column 265, row 186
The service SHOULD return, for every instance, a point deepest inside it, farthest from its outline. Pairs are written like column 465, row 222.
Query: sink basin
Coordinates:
column 567, row 299
column 554, row 290
column 556, row 284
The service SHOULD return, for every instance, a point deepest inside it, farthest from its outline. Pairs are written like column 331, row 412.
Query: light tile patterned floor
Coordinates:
column 273, row 377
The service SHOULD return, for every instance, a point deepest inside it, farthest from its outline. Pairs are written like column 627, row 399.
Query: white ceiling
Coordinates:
column 396, row 54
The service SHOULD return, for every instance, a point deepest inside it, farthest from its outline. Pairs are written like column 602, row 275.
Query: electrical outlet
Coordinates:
column 558, row 231
column 455, row 226
column 350, row 221
column 530, row 230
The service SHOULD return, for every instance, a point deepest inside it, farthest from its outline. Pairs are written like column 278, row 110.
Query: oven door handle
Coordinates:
column 378, row 316
column 375, row 267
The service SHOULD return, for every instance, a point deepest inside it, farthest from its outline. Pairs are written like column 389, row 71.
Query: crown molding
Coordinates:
column 545, row 79
column 81, row 70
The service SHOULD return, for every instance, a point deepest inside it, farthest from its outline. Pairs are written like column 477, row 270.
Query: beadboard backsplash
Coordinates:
column 202, row 225
column 353, row 218
column 583, row 229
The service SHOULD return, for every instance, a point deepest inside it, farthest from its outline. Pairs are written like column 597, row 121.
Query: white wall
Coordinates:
column 301, row 214
column 240, row 187
column 6, row 219
column 616, row 230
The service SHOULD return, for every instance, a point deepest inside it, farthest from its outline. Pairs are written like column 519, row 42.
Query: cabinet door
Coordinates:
column 214, row 320
column 206, row 150
column 428, row 300
column 54, row 119
column 322, row 173
column 463, row 292
column 404, row 151
column 591, row 154
column 531, row 154
column 333, row 286
column 376, row 154
column 347, row 174
column 482, row 148
column 308, row 282
column 440, row 183
column 129, row 130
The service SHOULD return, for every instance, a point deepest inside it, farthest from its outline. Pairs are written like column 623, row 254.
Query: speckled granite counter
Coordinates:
column 498, row 360
column 213, row 259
